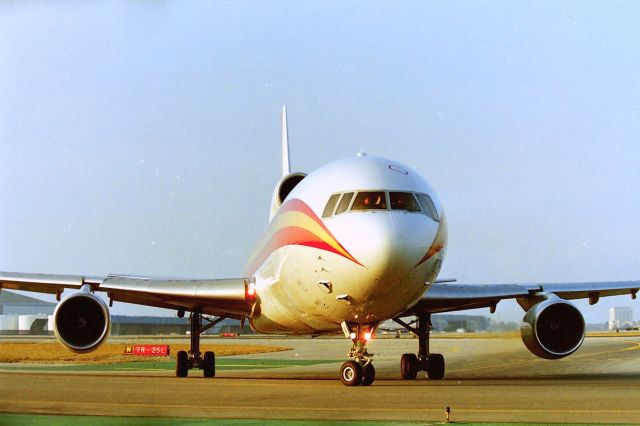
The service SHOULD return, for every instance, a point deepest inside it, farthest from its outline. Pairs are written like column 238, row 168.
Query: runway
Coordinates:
column 494, row 380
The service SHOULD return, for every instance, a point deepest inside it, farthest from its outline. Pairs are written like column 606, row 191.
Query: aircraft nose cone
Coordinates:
column 375, row 245
column 390, row 243
column 413, row 235
column 387, row 247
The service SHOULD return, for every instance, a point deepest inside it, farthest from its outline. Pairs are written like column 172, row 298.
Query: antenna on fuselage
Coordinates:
column 286, row 169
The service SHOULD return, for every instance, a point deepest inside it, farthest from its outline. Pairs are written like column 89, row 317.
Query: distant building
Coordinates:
column 459, row 323
column 24, row 315
column 620, row 317
column 16, row 304
column 447, row 322
column 145, row 325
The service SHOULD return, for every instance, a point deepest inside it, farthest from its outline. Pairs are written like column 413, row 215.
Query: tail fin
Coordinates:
column 286, row 169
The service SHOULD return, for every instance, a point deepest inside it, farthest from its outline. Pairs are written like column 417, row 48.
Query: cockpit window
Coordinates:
column 344, row 202
column 380, row 200
column 370, row 200
column 428, row 207
column 403, row 201
column 331, row 205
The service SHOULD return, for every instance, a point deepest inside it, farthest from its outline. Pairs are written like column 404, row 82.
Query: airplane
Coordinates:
column 358, row 241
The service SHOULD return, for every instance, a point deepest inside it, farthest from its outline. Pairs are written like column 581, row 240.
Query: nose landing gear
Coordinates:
column 410, row 364
column 358, row 371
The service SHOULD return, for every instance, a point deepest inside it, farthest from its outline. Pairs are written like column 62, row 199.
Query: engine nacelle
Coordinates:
column 283, row 188
column 553, row 329
column 82, row 321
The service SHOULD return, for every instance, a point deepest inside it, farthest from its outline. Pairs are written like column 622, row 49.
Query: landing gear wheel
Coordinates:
column 435, row 366
column 409, row 366
column 209, row 364
column 369, row 375
column 351, row 373
column 182, row 364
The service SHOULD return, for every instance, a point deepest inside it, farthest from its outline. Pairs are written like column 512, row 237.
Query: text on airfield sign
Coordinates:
column 147, row 350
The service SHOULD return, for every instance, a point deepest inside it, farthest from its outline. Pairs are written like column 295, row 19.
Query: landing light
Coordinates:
column 367, row 336
column 251, row 290
column 352, row 335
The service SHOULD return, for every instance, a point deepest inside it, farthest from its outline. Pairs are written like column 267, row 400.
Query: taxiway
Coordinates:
column 494, row 379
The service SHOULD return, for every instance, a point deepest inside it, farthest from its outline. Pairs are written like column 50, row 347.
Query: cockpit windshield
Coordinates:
column 344, row 202
column 380, row 200
column 403, row 201
column 370, row 201
column 331, row 205
column 428, row 207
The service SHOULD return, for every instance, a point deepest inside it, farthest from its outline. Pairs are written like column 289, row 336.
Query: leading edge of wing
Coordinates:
column 44, row 283
column 592, row 290
column 455, row 297
column 215, row 297
column 228, row 297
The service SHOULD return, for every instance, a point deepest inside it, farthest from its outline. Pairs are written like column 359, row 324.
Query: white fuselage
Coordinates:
column 316, row 267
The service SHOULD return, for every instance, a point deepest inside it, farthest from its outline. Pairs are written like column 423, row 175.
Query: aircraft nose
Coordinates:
column 412, row 234
column 389, row 248
column 392, row 242
column 375, row 246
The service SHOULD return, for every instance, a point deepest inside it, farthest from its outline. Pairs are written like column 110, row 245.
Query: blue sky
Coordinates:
column 142, row 137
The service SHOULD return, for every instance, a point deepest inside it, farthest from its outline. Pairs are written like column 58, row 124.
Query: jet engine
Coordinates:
column 553, row 329
column 82, row 321
column 283, row 188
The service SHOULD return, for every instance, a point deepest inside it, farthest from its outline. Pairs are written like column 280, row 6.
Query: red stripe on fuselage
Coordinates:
column 434, row 249
column 296, row 235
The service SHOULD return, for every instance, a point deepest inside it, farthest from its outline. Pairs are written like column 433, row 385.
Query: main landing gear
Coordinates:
column 410, row 364
column 358, row 371
column 193, row 359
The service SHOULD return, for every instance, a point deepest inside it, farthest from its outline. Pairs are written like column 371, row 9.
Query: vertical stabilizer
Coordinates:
column 286, row 169
column 289, row 180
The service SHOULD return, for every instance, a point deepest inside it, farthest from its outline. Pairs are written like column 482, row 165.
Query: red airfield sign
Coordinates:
column 147, row 350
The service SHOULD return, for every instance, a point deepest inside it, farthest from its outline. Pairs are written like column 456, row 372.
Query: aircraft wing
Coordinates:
column 226, row 297
column 457, row 297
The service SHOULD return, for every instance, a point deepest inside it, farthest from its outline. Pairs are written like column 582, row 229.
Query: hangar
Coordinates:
column 16, row 304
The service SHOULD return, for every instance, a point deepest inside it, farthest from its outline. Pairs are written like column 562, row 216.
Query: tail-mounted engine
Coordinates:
column 82, row 321
column 283, row 188
column 553, row 328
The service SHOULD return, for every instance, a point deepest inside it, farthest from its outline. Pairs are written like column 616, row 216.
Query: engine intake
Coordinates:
column 82, row 321
column 284, row 188
column 553, row 329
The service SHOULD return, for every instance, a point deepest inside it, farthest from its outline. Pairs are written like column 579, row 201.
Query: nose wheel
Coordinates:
column 359, row 370
column 410, row 364
column 369, row 375
column 353, row 373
